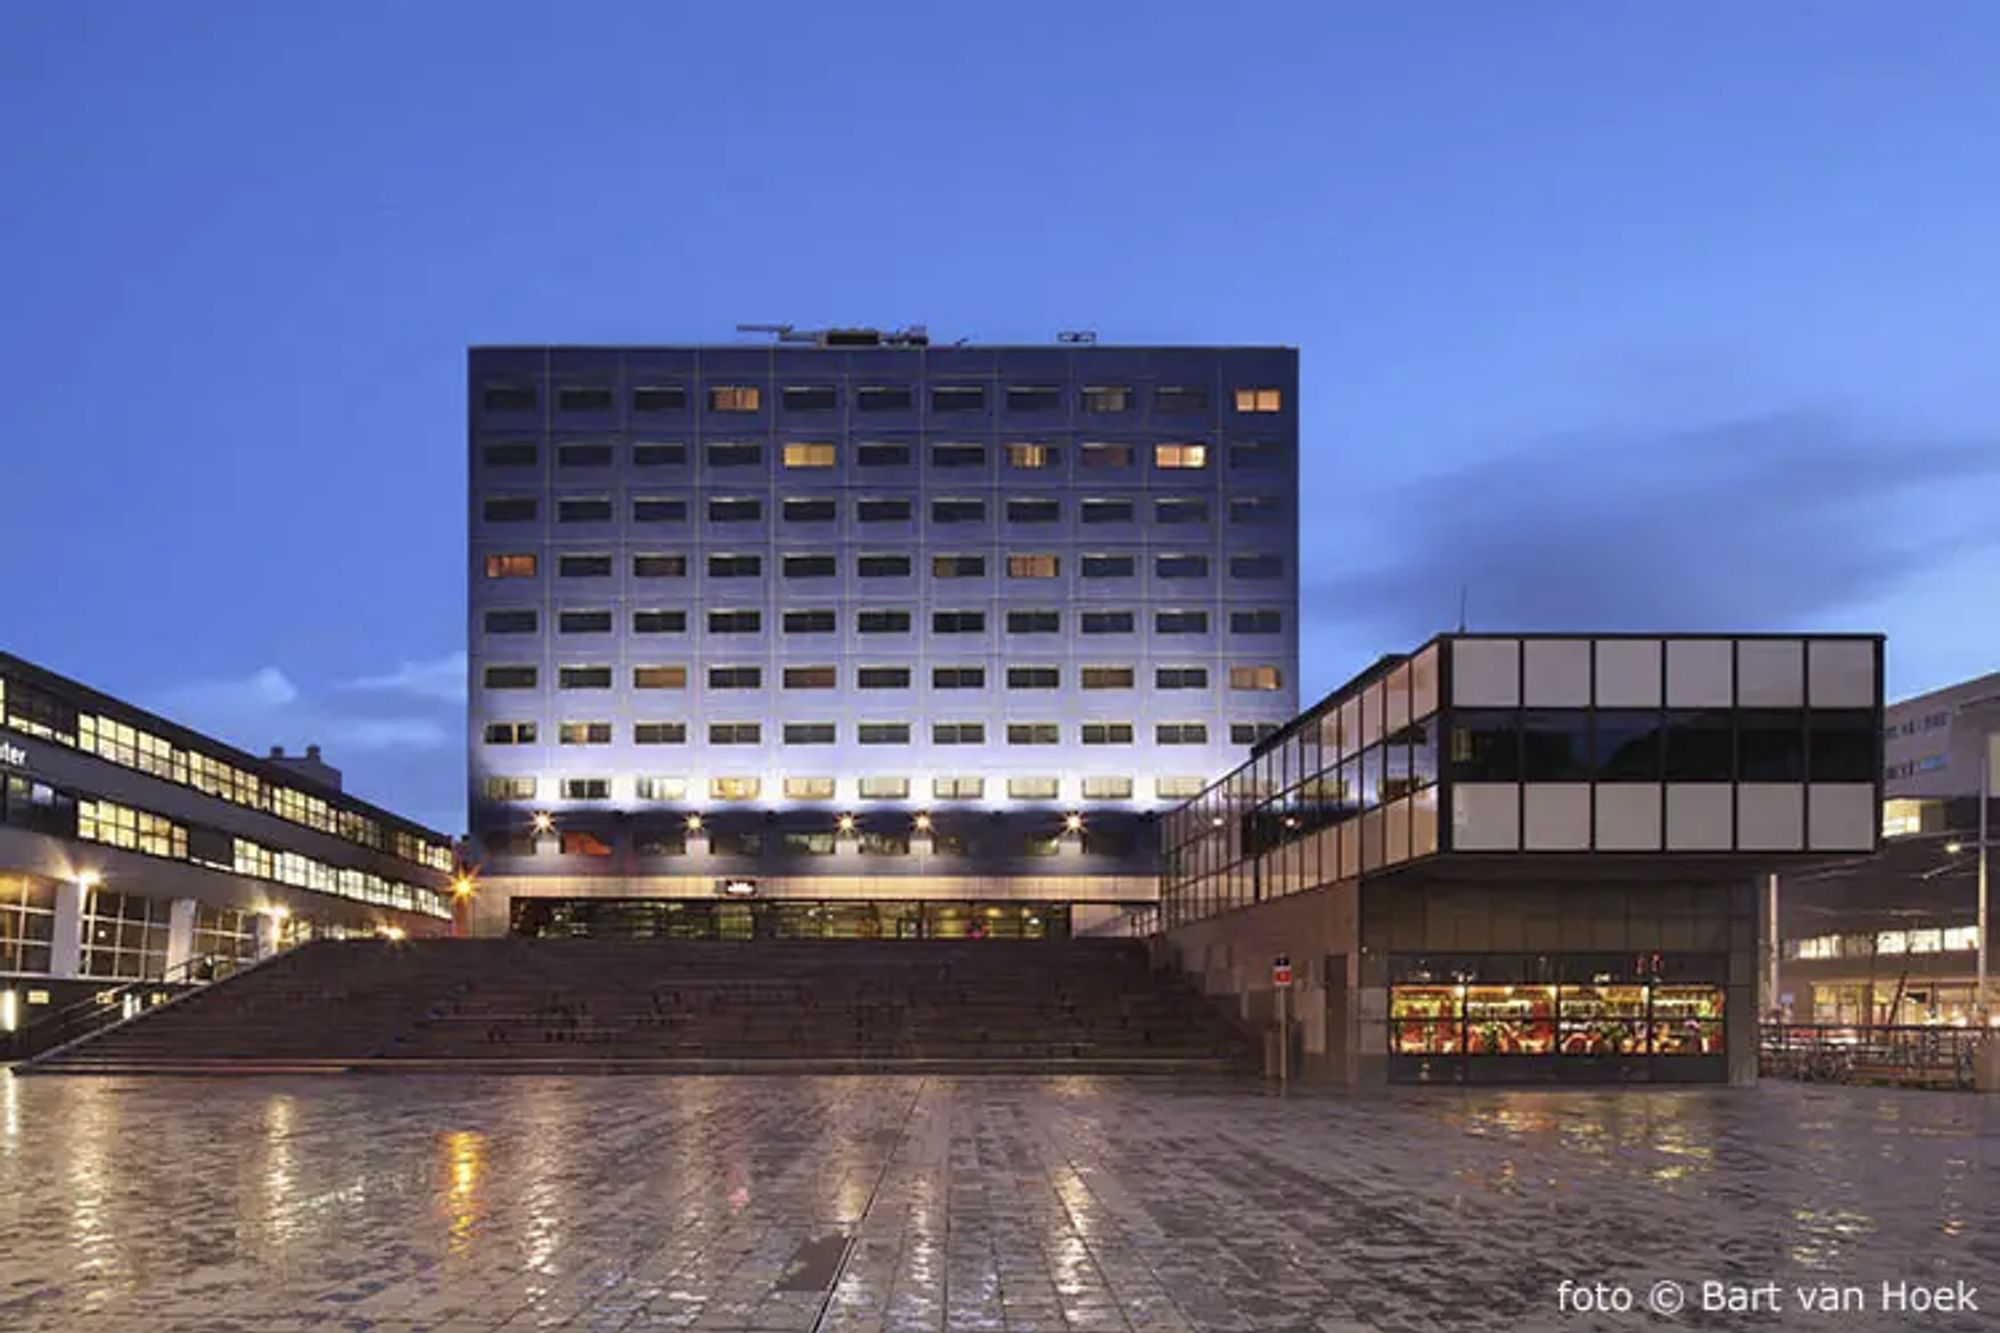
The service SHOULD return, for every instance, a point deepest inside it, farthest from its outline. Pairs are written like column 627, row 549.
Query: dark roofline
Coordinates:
column 188, row 737
column 764, row 345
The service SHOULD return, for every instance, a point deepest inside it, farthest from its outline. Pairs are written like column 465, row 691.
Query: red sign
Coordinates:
column 1281, row 971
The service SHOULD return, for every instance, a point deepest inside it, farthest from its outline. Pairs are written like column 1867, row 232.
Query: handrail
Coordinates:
column 1841, row 1053
column 107, row 1008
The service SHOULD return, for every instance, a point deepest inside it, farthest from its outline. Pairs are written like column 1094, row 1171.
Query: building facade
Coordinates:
column 131, row 847
column 1529, row 858
column 871, row 636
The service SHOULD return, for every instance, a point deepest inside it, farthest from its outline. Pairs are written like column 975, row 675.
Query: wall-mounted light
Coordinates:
column 694, row 823
column 544, row 821
column 280, row 912
column 1291, row 821
column 393, row 932
column 89, row 879
column 462, row 887
column 1073, row 822
column 846, row 823
column 1953, row 848
column 922, row 821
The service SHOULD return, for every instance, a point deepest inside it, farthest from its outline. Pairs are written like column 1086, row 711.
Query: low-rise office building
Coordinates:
column 132, row 848
column 1530, row 857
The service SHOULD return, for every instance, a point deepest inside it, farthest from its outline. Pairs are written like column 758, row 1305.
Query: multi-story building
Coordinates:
column 877, row 636
column 131, row 847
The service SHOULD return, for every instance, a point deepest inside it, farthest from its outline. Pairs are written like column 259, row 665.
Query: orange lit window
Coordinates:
column 1254, row 678
column 1033, row 566
column 584, row 844
column 808, row 455
column 1179, row 456
column 510, row 566
column 1032, row 455
column 735, row 398
column 1260, row 400
column 734, row 789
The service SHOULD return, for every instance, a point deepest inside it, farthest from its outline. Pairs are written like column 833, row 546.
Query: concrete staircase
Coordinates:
column 613, row 1006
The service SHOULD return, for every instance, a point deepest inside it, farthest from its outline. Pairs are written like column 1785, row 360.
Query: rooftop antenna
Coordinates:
column 1077, row 336
column 1461, row 608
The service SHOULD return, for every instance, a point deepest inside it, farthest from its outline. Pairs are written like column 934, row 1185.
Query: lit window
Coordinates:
column 509, row 789
column 734, row 398
column 1033, row 566
column 1107, row 789
column 1180, row 457
column 958, row 788
column 809, row 455
column 734, row 789
column 1032, row 456
column 1254, row 678
column 584, row 733
column 884, row 789
column 660, row 788
column 1260, row 400
column 1959, row 938
column 659, row 677
column 1034, row 789
column 809, row 789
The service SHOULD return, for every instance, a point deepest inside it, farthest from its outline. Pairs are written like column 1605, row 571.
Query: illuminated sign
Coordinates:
column 13, row 755
column 737, row 888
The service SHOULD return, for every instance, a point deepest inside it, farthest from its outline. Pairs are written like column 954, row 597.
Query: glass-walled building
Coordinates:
column 862, row 618
column 131, row 847
column 1505, row 857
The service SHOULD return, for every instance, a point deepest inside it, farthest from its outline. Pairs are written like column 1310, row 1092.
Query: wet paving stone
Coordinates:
column 879, row 1204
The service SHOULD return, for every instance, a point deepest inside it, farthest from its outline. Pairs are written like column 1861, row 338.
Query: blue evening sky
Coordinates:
column 1671, row 315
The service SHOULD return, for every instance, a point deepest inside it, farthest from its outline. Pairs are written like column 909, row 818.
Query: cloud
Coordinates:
column 440, row 678
column 1759, row 523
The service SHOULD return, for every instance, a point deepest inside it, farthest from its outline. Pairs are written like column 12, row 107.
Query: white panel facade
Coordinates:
column 1557, row 673
column 1842, row 816
column 1486, row 817
column 1486, row 673
column 1557, row 817
column 1840, row 673
column 1771, row 816
column 1628, row 673
column 1700, row 817
column 1628, row 817
column 1771, row 673
column 1700, row 673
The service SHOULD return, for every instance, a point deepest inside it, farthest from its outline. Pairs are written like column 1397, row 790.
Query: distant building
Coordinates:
column 1931, row 750
column 132, row 847
column 855, row 635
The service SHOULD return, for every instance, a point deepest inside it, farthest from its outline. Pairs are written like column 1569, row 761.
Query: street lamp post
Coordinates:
column 1989, row 744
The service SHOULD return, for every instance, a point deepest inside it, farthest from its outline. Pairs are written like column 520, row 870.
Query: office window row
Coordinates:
column 1654, row 745
column 802, row 565
column 1091, row 511
column 679, row 788
column 512, row 621
column 947, row 455
column 943, row 398
column 513, row 733
column 1253, row 677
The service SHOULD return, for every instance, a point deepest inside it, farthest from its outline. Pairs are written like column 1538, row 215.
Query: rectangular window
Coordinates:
column 1180, row 622
column 1108, row 677
column 1034, row 677
column 583, row 398
column 1181, row 565
column 659, row 733
column 659, row 566
column 958, row 788
column 584, row 509
column 1251, row 733
column 1180, row 733
column 1034, row 565
column 1260, row 400
column 1180, row 399
column 1840, row 746
column 1106, row 622
column 882, row 678
column 958, row 566
column 737, row 453
column 1034, row 789
column 586, row 789
column 810, row 509
column 1771, row 746
column 958, row 398
column 1033, row 457
column 1256, row 508
column 510, row 566
column 511, row 453
column 1107, row 733
column 958, row 510
column 810, row 455
column 958, row 455
column 1033, row 733
column 735, row 733
column 1107, row 789
column 583, row 454
column 509, row 509
column 1034, row 509
column 734, row 789
column 815, row 620
column 882, row 566
column 735, row 678
column 1180, row 788
column 659, row 398
column 811, row 677
column 1100, row 398
column 1701, row 747
column 1101, row 566
column 739, row 565
column 1104, row 454
column 512, row 621
column 735, row 509
column 583, row 678
column 583, row 566
column 510, row 733
column 1180, row 509
column 816, row 565
column 1037, row 621
column 1256, row 456
column 809, row 397
column 509, row 398
column 958, row 733
column 883, row 733
column 509, row 789
column 659, row 509
column 884, row 788
column 509, row 678
column 747, row 620
column 1263, row 566
column 809, row 789
column 958, row 678
column 884, row 398
column 958, row 622
column 1034, row 398
column 1263, row 620
column 880, row 621
column 878, row 454
column 1180, row 677
column 1180, row 457
column 1483, row 746
column 659, row 677
column 659, row 455
column 1555, row 746
column 735, row 398
column 1255, row 678
column 882, row 509
column 584, row 733
column 583, row 622
column 1105, row 511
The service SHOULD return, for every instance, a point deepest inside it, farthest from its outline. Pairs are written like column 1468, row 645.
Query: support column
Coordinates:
column 267, row 934
column 180, row 935
column 66, row 952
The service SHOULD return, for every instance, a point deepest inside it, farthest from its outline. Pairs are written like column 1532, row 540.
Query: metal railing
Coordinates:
column 1913, row 1056
column 116, row 1003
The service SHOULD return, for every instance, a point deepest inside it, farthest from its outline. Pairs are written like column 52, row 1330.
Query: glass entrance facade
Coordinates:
column 1553, row 1017
column 786, row 919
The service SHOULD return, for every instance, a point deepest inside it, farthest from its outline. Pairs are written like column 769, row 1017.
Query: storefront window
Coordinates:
column 1687, row 1020
column 1604, row 1020
column 1510, row 1020
column 1567, row 1006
